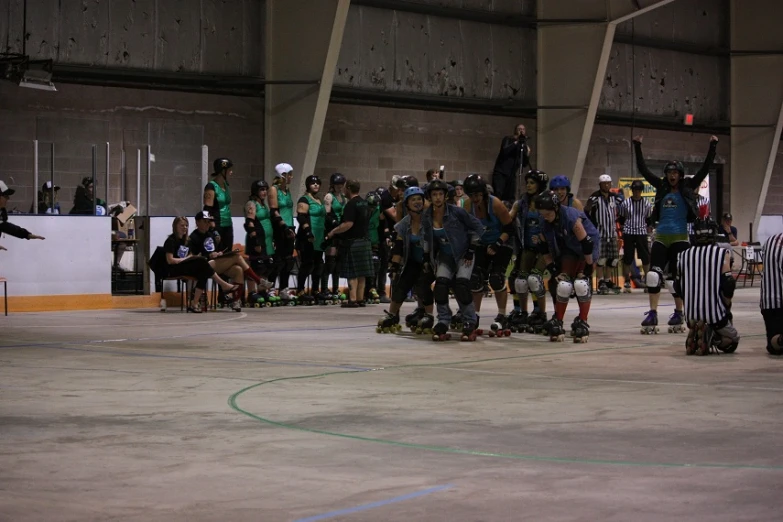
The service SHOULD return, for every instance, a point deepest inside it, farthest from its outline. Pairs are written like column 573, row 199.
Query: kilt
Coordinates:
column 358, row 259
column 609, row 249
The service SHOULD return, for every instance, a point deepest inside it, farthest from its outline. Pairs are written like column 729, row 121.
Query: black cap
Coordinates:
column 4, row 190
column 727, row 216
column 204, row 214
column 48, row 186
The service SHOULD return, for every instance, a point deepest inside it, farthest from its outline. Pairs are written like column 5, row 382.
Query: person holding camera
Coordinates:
column 514, row 154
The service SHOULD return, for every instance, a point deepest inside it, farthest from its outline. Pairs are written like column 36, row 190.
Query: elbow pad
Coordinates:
column 728, row 284
column 543, row 247
column 587, row 245
column 303, row 218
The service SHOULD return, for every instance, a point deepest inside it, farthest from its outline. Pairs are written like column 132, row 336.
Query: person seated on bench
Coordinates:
column 182, row 263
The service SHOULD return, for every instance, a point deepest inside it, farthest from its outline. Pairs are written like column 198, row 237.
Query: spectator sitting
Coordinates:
column 84, row 200
column 5, row 226
column 183, row 263
column 48, row 199
column 727, row 230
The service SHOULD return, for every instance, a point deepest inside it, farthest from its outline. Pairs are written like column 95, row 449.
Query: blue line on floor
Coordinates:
column 373, row 505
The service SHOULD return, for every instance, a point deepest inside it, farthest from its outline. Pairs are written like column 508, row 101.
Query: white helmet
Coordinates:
column 604, row 178
column 282, row 169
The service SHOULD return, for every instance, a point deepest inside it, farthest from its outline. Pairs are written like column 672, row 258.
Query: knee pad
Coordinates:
column 441, row 291
column 497, row 282
column 601, row 262
column 476, row 281
column 462, row 291
column 583, row 290
column 536, row 284
column 670, row 286
column 653, row 279
column 564, row 289
column 521, row 285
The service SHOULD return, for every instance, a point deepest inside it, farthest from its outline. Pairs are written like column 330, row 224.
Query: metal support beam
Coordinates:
column 756, row 105
column 295, row 114
column 573, row 78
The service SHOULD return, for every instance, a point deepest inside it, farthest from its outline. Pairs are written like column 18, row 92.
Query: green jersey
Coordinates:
column 286, row 205
column 223, row 203
column 264, row 217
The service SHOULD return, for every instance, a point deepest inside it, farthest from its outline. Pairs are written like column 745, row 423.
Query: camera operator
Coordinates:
column 514, row 154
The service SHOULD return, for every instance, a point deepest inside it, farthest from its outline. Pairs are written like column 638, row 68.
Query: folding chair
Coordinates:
column 751, row 263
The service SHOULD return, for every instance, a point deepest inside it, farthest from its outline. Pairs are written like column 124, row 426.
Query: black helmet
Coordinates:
column 258, row 185
column 547, row 200
column 222, row 163
column 540, row 177
column 674, row 165
column 407, row 181
column 475, row 183
column 704, row 231
column 336, row 179
column 637, row 185
column 312, row 178
column 373, row 198
column 437, row 184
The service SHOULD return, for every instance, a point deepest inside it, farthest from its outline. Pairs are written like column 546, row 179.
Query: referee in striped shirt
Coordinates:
column 772, row 293
column 634, row 215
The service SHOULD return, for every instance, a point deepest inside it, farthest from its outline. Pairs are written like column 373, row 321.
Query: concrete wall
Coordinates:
column 175, row 124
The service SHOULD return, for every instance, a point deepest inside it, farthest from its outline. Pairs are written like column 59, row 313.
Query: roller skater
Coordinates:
column 281, row 211
column 705, row 282
column 311, row 215
column 449, row 236
column 675, row 207
column 569, row 243
column 334, row 204
column 389, row 323
column 259, row 236
column 527, row 276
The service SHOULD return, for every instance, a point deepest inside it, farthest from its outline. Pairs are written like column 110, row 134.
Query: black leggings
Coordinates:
column 413, row 278
column 197, row 267
column 284, row 257
column 661, row 256
column 311, row 263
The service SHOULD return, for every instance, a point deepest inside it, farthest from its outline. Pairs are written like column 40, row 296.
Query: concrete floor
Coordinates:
column 307, row 414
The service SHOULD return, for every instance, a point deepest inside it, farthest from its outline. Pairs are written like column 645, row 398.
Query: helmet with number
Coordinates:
column 637, row 185
column 412, row 191
column 705, row 231
column 336, row 179
column 221, row 164
column 559, row 182
column 435, row 184
column 674, row 165
column 475, row 184
column 547, row 200
column 540, row 177
column 373, row 198
column 312, row 179
column 258, row 185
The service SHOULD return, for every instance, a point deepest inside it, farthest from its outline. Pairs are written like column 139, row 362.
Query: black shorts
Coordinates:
column 486, row 264
column 773, row 323
column 636, row 246
column 663, row 256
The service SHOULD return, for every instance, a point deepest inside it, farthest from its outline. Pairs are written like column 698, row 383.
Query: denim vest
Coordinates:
column 403, row 229
column 462, row 230
column 563, row 228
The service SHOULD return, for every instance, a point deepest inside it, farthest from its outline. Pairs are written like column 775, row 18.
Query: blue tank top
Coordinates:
column 492, row 226
column 416, row 250
column 532, row 227
column 673, row 217
column 442, row 241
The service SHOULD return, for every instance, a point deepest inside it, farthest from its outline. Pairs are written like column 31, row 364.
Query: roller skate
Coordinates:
column 413, row 318
column 389, row 323
column 627, row 287
column 556, row 332
column 546, row 328
column 499, row 327
column 581, row 331
column 479, row 331
column 676, row 322
column 374, row 298
column 426, row 324
column 288, row 297
column 612, row 288
column 469, row 331
column 692, row 340
column 650, row 323
column 535, row 321
column 456, row 322
column 273, row 298
column 517, row 321
column 255, row 299
column 603, row 288
column 322, row 298
column 441, row 332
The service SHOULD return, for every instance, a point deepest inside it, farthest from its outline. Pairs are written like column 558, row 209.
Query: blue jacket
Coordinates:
column 563, row 229
column 462, row 230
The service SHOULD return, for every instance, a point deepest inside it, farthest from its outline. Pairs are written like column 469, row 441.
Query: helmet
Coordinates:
column 637, row 185
column 404, row 182
column 559, row 182
column 435, row 184
column 704, row 231
column 474, row 184
column 412, row 191
column 373, row 198
column 222, row 163
column 281, row 169
column 539, row 177
column 604, row 178
column 336, row 179
column 451, row 191
column 258, row 185
column 674, row 165
column 547, row 200
column 457, row 183
column 312, row 178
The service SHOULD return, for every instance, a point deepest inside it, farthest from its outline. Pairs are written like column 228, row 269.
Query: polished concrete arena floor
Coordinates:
column 305, row 414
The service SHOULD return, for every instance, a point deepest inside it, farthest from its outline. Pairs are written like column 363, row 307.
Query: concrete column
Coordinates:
column 574, row 42
column 756, row 106
column 303, row 40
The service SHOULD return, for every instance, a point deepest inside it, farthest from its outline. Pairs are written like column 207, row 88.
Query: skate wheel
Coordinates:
column 479, row 332
column 378, row 330
column 507, row 333
column 418, row 331
column 491, row 333
column 386, row 330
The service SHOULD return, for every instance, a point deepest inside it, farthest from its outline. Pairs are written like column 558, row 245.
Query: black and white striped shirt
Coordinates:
column 699, row 270
column 636, row 214
column 772, row 275
column 605, row 211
